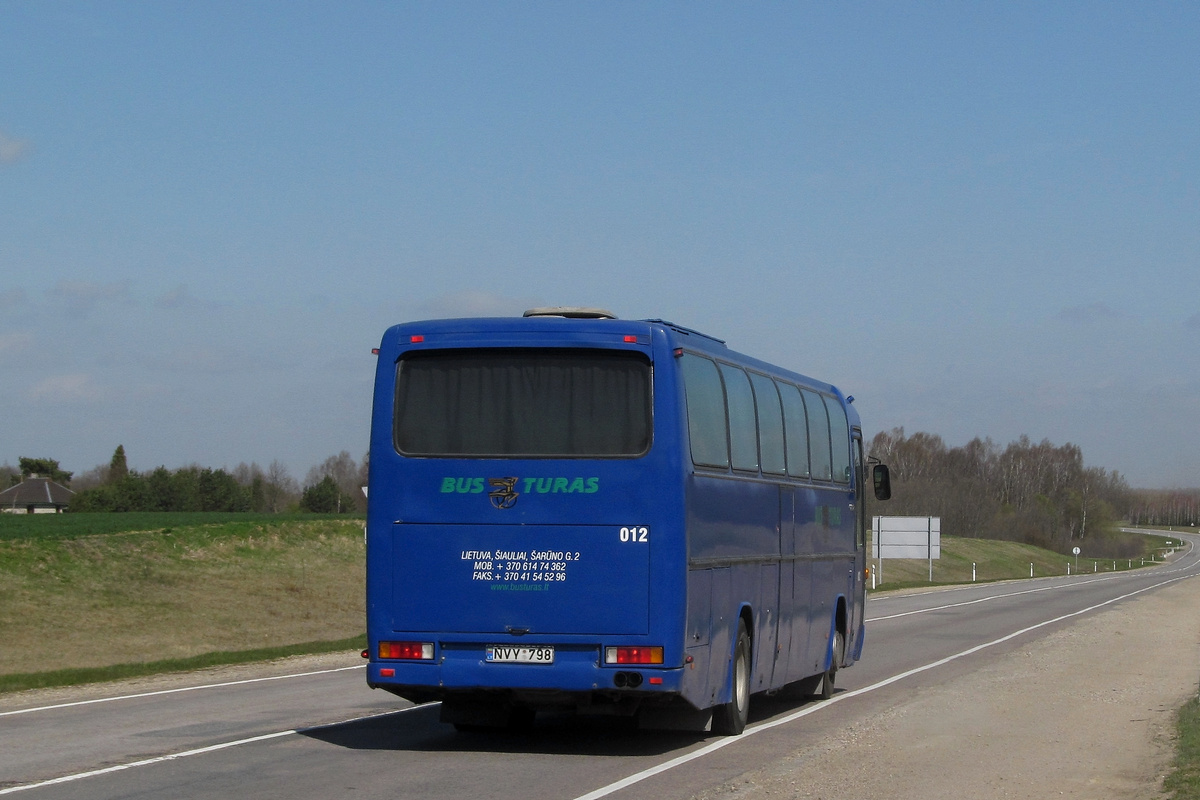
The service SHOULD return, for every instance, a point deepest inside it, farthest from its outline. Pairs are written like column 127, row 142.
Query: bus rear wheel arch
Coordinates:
column 829, row 678
column 729, row 719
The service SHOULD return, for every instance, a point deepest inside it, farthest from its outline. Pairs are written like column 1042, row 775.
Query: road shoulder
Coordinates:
column 1087, row 711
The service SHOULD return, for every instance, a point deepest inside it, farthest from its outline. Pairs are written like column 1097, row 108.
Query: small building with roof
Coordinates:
column 35, row 495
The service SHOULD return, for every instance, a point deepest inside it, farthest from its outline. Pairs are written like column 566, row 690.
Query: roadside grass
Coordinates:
column 1183, row 783
column 70, row 526
column 91, row 597
column 180, row 592
column 995, row 560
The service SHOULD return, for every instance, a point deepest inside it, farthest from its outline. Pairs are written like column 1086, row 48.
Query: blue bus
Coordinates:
column 571, row 511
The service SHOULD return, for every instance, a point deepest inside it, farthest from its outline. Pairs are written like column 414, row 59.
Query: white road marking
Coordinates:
column 666, row 766
column 985, row 599
column 611, row 788
column 175, row 691
column 1178, row 567
column 188, row 753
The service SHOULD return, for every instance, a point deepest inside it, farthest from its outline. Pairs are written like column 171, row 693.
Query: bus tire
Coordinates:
column 829, row 679
column 729, row 719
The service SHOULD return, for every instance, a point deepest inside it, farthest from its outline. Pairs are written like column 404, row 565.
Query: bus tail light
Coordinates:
column 633, row 655
column 410, row 651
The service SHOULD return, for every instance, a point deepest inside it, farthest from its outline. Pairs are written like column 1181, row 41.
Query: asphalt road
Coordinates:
column 325, row 734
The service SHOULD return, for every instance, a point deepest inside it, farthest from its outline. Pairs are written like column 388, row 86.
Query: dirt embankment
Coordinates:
column 1087, row 712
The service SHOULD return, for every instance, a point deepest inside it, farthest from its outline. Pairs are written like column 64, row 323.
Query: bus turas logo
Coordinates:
column 503, row 493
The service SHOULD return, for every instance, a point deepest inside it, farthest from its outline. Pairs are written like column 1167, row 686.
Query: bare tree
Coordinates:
column 96, row 476
column 280, row 489
column 1038, row 493
column 346, row 473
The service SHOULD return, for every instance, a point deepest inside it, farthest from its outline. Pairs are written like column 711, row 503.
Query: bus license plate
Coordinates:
column 503, row 654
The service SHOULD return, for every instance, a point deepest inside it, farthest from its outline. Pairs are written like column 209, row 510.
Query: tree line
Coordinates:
column 1169, row 508
column 331, row 487
column 1037, row 493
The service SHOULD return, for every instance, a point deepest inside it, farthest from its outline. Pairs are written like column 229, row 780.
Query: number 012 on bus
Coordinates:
column 571, row 511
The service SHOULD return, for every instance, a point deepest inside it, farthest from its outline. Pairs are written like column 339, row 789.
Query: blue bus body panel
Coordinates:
column 527, row 578
column 730, row 519
column 562, row 564
column 446, row 564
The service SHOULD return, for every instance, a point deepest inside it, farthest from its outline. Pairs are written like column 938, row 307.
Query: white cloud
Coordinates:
column 475, row 304
column 14, row 342
column 12, row 150
column 11, row 298
column 181, row 298
column 73, row 388
column 1093, row 312
column 82, row 297
column 205, row 359
column 176, row 298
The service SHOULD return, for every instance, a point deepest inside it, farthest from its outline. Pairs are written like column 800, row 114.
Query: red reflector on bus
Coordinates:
column 656, row 681
column 415, row 338
column 387, row 673
column 633, row 655
column 420, row 651
column 631, row 339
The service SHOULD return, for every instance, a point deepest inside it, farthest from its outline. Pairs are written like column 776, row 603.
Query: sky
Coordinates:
column 980, row 219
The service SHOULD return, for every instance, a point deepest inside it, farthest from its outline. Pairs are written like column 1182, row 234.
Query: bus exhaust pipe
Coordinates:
column 627, row 680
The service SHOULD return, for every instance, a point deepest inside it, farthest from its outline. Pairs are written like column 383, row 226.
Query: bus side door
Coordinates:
column 793, row 617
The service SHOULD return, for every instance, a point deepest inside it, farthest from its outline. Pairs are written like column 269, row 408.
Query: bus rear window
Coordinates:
column 528, row 402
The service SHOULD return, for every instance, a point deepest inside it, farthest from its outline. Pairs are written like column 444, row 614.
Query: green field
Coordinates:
column 71, row 526
column 89, row 591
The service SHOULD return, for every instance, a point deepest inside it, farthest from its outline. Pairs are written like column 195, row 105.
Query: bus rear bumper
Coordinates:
column 566, row 683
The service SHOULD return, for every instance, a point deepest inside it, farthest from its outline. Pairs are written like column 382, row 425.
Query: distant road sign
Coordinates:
column 907, row 537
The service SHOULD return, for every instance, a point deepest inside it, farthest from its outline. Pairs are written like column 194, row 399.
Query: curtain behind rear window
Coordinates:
column 553, row 402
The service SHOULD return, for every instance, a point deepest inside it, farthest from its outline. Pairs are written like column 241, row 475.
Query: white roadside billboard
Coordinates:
column 906, row 537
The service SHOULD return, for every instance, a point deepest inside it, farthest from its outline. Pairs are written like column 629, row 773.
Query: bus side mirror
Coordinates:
column 883, row 482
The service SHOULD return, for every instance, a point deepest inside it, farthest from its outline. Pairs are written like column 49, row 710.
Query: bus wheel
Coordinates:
column 830, row 677
column 730, row 718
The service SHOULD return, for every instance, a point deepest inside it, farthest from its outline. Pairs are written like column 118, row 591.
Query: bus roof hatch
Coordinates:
column 571, row 312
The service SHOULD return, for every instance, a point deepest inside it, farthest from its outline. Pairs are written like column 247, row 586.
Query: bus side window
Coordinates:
column 839, row 430
column 818, row 436
column 796, row 425
column 743, row 428
column 707, row 428
column 770, row 424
